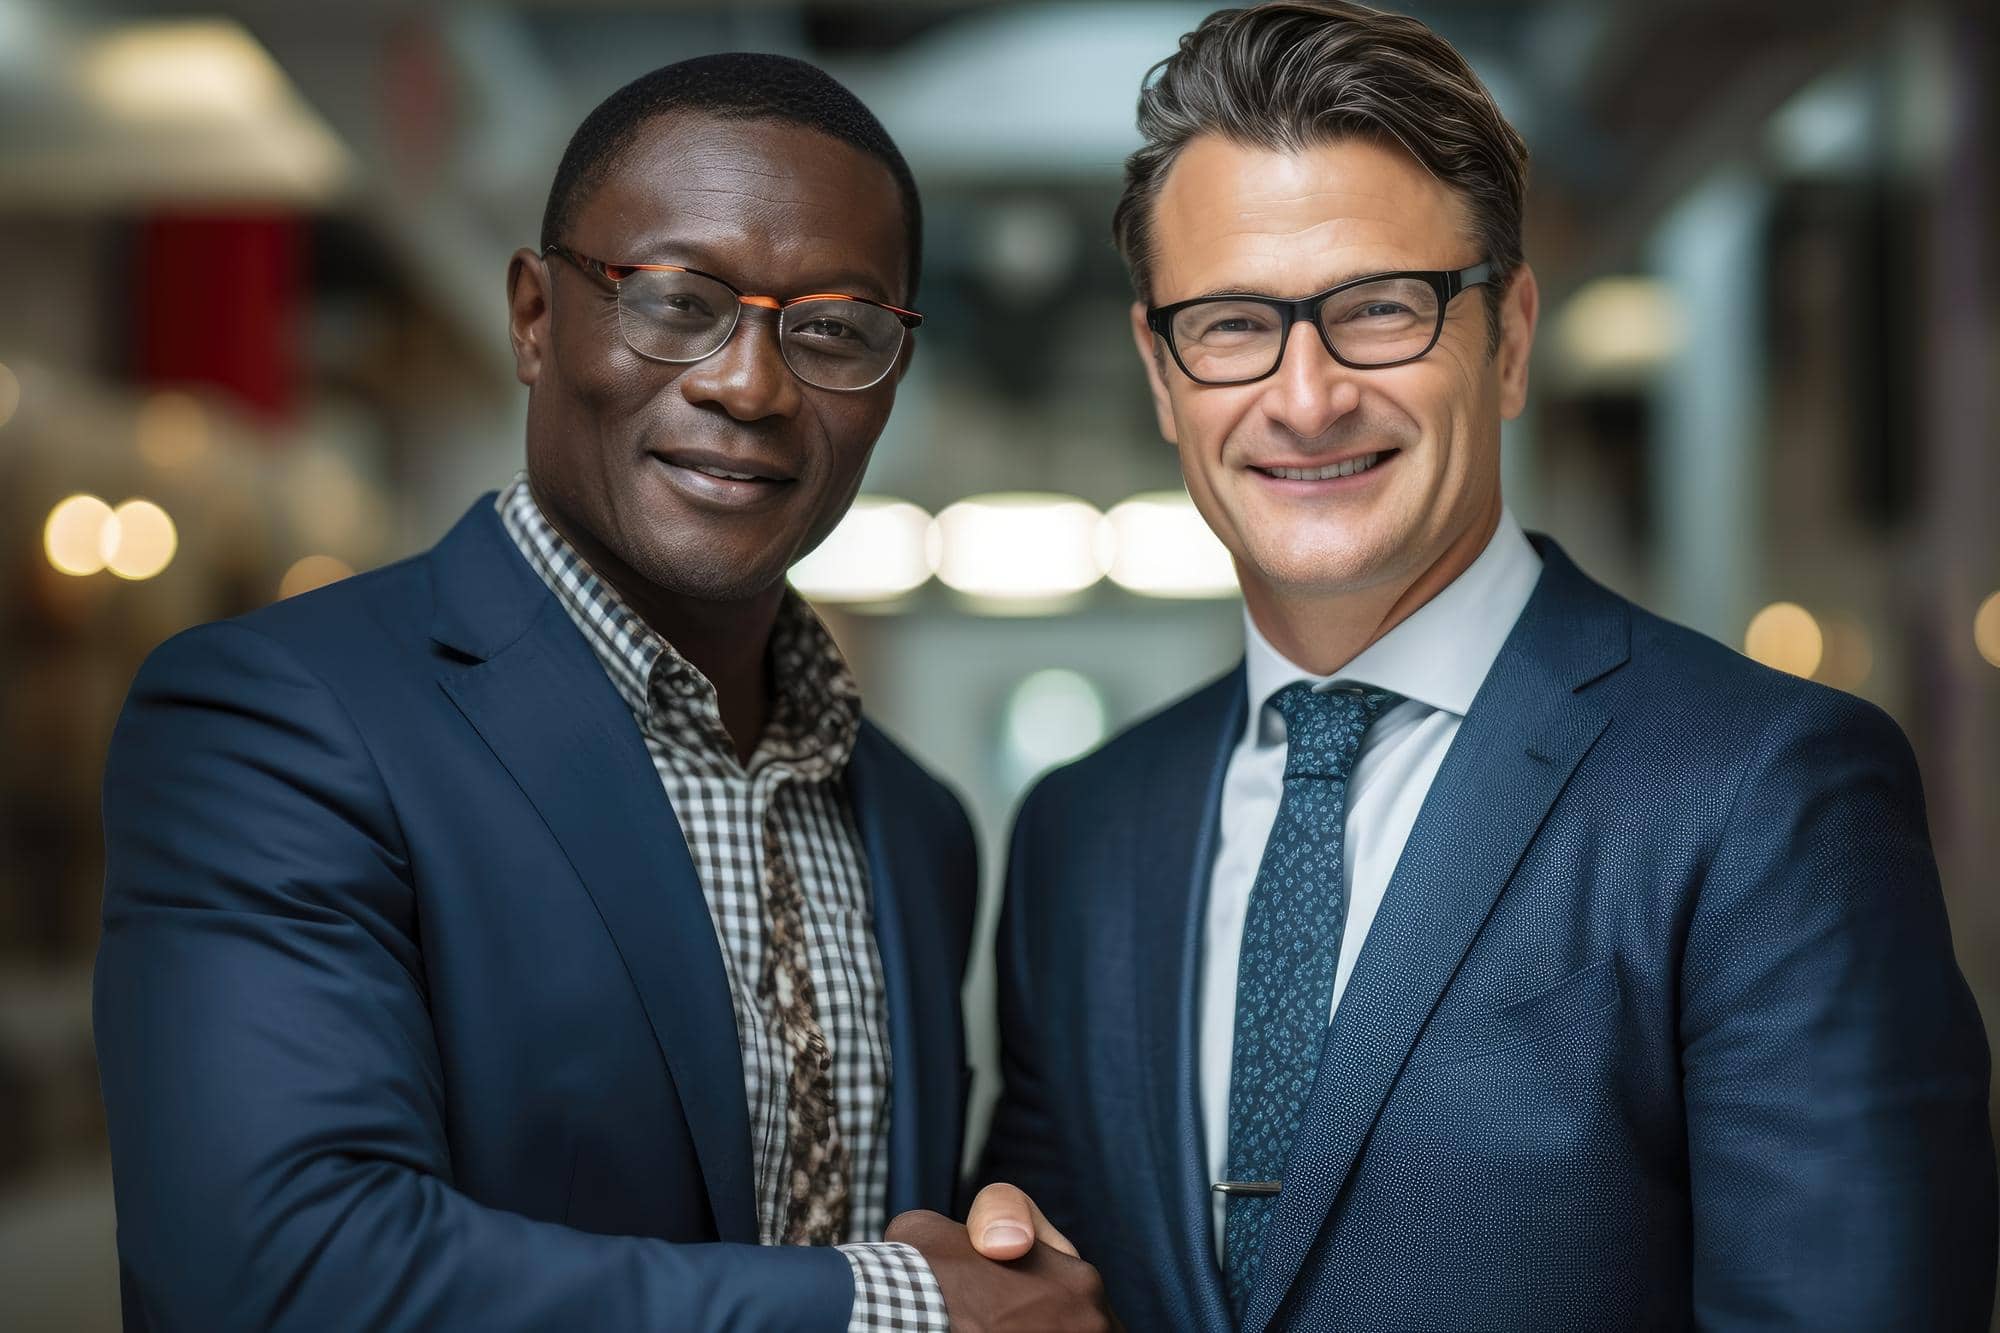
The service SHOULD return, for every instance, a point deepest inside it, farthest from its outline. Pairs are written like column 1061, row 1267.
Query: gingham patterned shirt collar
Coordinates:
column 816, row 705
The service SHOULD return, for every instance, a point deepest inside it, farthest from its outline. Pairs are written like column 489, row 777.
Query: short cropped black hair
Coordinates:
column 735, row 85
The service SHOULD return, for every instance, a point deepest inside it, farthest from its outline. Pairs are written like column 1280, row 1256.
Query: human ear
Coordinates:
column 528, row 313
column 1153, row 357
column 1520, row 306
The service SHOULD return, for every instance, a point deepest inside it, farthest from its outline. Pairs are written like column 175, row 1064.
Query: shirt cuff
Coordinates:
column 894, row 1290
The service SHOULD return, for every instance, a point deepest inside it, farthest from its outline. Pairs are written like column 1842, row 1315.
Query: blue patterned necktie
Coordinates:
column 1291, row 945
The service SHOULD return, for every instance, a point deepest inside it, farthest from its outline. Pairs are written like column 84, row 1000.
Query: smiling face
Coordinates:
column 622, row 450
column 1419, row 444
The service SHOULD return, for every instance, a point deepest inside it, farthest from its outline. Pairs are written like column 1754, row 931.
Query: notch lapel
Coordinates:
column 1170, row 858
column 1523, row 737
column 545, row 707
column 926, row 1043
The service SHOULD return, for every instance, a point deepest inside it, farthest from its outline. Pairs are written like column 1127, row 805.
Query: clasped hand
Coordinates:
column 1007, row 1268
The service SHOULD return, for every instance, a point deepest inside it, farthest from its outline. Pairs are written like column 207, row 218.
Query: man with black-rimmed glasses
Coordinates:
column 1483, row 952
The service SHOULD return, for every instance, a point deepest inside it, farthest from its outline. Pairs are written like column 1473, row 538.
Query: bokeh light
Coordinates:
column 1052, row 716
column 139, row 540
column 1849, row 656
column 172, row 430
column 75, row 534
column 877, row 553
column 10, row 393
column 1018, row 546
column 1986, row 629
column 314, row 571
column 1785, row 635
column 1161, row 547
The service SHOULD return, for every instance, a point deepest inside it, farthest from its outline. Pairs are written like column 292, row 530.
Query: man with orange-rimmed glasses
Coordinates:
column 535, row 934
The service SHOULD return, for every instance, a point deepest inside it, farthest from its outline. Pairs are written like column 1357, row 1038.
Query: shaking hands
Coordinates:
column 1006, row 1268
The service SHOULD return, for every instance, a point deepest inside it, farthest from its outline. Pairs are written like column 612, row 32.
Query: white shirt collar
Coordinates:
column 1441, row 653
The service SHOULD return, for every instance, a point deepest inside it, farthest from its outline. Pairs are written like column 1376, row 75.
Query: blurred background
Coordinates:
column 252, row 339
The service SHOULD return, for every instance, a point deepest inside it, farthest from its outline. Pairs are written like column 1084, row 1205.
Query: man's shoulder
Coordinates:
column 1717, row 709
column 357, row 630
column 392, row 602
column 1731, row 690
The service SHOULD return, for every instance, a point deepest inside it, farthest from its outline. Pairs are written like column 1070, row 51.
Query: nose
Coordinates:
column 747, row 376
column 1310, row 390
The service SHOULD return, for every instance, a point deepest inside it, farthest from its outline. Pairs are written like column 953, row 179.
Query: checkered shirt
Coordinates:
column 797, row 771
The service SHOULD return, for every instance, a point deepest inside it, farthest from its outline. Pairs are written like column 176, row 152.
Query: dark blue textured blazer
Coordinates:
column 1658, row 1025
column 409, row 1009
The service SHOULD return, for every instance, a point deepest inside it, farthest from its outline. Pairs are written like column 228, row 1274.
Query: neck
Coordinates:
column 728, row 642
column 1323, row 632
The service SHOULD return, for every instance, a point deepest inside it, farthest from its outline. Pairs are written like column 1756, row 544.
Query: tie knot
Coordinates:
column 1323, row 728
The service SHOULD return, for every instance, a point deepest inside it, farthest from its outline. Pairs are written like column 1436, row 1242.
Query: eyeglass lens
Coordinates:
column 834, row 344
column 1373, row 324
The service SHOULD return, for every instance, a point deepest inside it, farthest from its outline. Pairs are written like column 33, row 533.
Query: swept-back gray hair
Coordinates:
column 1293, row 74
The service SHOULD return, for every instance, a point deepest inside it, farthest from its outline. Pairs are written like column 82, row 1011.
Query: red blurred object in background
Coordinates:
column 218, row 303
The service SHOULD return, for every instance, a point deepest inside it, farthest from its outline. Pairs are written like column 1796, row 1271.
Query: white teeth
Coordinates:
column 731, row 476
column 1327, row 473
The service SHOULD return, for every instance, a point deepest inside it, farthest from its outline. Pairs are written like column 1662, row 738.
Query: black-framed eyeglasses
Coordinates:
column 679, row 315
column 1384, row 319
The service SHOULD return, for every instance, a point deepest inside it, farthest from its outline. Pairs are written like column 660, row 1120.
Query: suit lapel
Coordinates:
column 545, row 707
column 1170, row 857
column 926, row 1045
column 1523, row 737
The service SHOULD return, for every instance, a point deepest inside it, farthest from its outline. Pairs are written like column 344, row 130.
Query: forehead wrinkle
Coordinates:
column 825, row 259
column 1298, row 234
column 759, row 214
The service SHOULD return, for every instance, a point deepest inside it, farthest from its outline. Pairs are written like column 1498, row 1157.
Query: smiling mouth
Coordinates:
column 723, row 468
column 726, row 476
column 1347, row 467
column 710, row 484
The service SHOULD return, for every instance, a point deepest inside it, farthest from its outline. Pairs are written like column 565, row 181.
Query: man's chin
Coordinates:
column 1319, row 575
column 704, row 573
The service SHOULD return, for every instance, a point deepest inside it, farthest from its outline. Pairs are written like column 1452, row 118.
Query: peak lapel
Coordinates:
column 1524, row 735
column 551, row 716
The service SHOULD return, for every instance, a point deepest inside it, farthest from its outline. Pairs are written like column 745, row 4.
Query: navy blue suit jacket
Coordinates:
column 1658, row 1024
column 409, row 1008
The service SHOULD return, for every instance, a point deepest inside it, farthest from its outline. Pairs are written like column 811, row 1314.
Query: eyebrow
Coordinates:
column 1352, row 275
column 692, row 254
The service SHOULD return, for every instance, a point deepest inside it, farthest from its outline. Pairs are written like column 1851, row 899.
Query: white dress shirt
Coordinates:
column 1436, row 659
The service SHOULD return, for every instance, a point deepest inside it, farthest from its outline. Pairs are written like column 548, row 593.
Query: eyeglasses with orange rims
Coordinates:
column 680, row 315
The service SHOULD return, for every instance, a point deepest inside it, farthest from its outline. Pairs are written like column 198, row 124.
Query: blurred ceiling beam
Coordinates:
column 170, row 112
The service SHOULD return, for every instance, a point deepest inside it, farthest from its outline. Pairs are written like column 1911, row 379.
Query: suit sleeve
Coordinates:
column 1024, row 1146
column 1840, row 1156
column 272, row 1083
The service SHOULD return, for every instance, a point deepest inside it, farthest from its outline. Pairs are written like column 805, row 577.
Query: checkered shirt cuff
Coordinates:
column 894, row 1291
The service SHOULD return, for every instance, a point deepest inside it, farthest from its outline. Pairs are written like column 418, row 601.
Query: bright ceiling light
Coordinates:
column 1161, row 547
column 878, row 553
column 180, row 110
column 202, row 69
column 1618, row 329
column 1019, row 547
